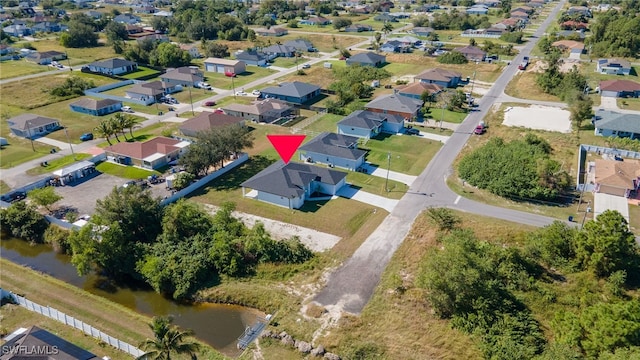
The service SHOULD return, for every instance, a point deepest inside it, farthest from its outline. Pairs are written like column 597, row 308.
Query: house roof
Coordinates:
column 614, row 62
column 272, row 30
column 112, row 63
column 569, row 44
column 289, row 180
column 318, row 19
column 49, row 346
column 221, row 61
column 294, row 89
column 438, row 74
column 152, row 88
column 332, row 144
column 422, row 29
column 142, row 150
column 251, row 56
column 619, row 85
column 518, row 13
column 619, row 174
column 395, row 103
column 418, row 88
column 611, row 120
column 279, row 49
column 93, row 104
column 368, row 119
column 300, row 44
column 207, row 120
column 470, row 50
column 260, row 107
column 20, row 122
column 184, row 73
column 367, row 58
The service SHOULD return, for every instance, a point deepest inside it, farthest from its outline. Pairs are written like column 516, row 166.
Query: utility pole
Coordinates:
column 233, row 85
column 585, row 214
column 69, row 141
column 191, row 101
column 386, row 183
column 30, row 137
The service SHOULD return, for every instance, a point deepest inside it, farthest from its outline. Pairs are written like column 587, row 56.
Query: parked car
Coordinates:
column 241, row 93
column 256, row 92
column 209, row 103
column 412, row 131
column 479, row 130
column 14, row 196
column 126, row 109
column 306, row 66
column 86, row 137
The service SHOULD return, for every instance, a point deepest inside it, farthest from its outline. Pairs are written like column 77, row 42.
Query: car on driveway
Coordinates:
column 412, row 131
column 86, row 137
column 14, row 196
column 209, row 103
column 241, row 93
column 256, row 92
column 306, row 66
column 126, row 109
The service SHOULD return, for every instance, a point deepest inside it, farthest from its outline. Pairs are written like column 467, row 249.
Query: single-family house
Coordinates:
column 127, row 19
column 45, row 57
column 156, row 38
column 358, row 28
column 23, row 345
column 294, row 92
column 368, row 124
column 252, row 57
column 573, row 25
column 264, row 110
column 185, row 76
column 472, row 53
column 512, row 23
column 151, row 92
column 17, row 30
column 579, row 10
column 96, row 107
column 290, row 185
column 494, row 32
column 523, row 8
column 407, row 40
column 489, row 3
column 427, row 8
column 48, row 26
column 315, row 20
column 163, row 13
column 31, row 125
column 386, row 5
column 422, row 31
column 272, row 31
column 619, row 88
column 395, row 46
column 367, row 59
column 385, row 17
column 279, row 50
column 520, row 15
column 151, row 154
column 207, row 120
column 6, row 50
column 96, row 15
column 572, row 34
column 442, row 77
column 416, row 89
column 132, row 29
column 192, row 50
column 144, row 9
column 115, row 66
column 478, row 9
column 225, row 66
column 612, row 124
column 361, row 9
column 618, row 178
column 334, row 150
column 405, row 106
column 301, row 45
column 613, row 66
column 570, row 45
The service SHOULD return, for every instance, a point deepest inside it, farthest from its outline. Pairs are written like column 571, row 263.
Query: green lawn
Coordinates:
column 376, row 185
column 409, row 154
column 76, row 56
column 19, row 149
column 141, row 72
column 15, row 68
column 326, row 123
column 196, row 95
column 629, row 104
column 340, row 216
column 287, row 62
column 126, row 172
column 149, row 132
column 58, row 164
column 455, row 117
column 221, row 81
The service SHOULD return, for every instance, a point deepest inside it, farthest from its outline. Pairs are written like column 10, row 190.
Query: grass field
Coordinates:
column 15, row 68
column 151, row 131
column 524, row 86
column 221, row 81
column 141, row 72
column 322, row 42
column 126, row 172
column 409, row 154
column 58, row 164
column 76, row 56
column 414, row 63
column 629, row 104
column 376, row 185
column 437, row 115
column 19, row 149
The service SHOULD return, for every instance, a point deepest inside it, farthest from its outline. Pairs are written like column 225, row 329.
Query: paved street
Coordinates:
column 350, row 287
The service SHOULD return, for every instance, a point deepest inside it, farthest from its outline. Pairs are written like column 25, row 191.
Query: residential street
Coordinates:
column 350, row 287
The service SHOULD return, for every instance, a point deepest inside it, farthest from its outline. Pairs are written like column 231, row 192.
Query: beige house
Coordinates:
column 151, row 154
column 618, row 178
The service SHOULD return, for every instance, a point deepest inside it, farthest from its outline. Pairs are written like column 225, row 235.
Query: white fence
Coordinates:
column 71, row 321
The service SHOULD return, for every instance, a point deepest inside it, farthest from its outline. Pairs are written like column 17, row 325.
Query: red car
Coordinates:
column 209, row 103
column 479, row 130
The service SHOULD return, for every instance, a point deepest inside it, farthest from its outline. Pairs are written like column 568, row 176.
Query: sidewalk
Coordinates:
column 52, row 142
column 396, row 176
column 355, row 194
column 442, row 138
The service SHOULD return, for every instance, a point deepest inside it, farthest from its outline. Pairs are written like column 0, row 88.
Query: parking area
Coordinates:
column 82, row 196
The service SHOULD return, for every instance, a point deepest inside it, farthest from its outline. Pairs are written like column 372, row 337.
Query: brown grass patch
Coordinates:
column 524, row 86
column 315, row 311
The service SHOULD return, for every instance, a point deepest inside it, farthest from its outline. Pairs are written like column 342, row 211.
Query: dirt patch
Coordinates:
column 539, row 118
column 567, row 65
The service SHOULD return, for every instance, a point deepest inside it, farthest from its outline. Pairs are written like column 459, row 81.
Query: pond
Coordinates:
column 215, row 324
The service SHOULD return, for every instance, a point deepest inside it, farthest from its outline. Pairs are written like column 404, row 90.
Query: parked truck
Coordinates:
column 524, row 63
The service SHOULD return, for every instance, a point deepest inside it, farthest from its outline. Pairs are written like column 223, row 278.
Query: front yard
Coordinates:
column 221, row 81
column 15, row 68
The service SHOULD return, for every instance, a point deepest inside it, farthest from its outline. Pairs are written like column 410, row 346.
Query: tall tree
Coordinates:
column 116, row 32
column 23, row 221
column 168, row 340
column 44, row 197
column 104, row 129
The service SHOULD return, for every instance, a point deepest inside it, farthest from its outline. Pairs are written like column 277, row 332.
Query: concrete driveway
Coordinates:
column 367, row 198
column 603, row 202
column 396, row 176
column 609, row 103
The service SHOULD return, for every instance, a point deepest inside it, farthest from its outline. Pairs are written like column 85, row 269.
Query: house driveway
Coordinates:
column 604, row 202
column 609, row 103
column 442, row 138
column 396, row 176
column 367, row 198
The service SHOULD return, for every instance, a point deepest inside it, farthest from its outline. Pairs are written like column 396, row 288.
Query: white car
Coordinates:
column 241, row 93
column 126, row 109
column 256, row 92
column 306, row 66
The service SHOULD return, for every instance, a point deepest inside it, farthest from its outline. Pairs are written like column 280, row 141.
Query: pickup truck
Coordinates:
column 525, row 62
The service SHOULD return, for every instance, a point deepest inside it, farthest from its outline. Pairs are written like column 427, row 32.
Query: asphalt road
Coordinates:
column 350, row 287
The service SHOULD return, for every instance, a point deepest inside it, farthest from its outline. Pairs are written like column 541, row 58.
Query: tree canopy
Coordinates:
column 23, row 221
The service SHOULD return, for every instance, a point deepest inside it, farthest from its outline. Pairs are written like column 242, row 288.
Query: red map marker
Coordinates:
column 286, row 145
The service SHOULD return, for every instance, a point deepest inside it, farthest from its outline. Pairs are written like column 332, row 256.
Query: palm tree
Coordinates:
column 104, row 129
column 131, row 123
column 113, row 124
column 387, row 28
column 120, row 123
column 168, row 340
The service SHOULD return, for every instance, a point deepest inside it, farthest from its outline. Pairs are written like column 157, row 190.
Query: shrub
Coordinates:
column 452, row 57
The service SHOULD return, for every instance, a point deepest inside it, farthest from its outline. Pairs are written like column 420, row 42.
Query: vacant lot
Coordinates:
column 221, row 81
column 322, row 42
column 58, row 164
column 76, row 56
column 415, row 63
column 524, row 86
column 15, row 68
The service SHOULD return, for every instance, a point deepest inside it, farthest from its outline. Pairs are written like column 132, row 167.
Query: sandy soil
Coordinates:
column 538, row 117
column 313, row 239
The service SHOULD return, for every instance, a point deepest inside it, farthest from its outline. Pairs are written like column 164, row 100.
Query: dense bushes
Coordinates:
column 452, row 57
column 72, row 86
column 517, row 169
column 23, row 221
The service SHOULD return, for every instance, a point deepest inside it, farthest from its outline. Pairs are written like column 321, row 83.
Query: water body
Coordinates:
column 215, row 324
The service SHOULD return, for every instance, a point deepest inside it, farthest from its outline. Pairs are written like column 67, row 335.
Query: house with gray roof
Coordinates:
column 266, row 110
column 407, row 107
column 279, row 50
column 442, row 77
column 368, row 124
column 151, row 92
column 612, row 124
column 294, row 92
column 334, row 150
column 613, row 66
column 290, row 185
column 115, row 66
column 31, row 126
column 367, row 59
column 96, row 107
column 185, row 76
column 252, row 57
column 45, row 57
column 24, row 344
column 301, row 45
column 207, row 120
